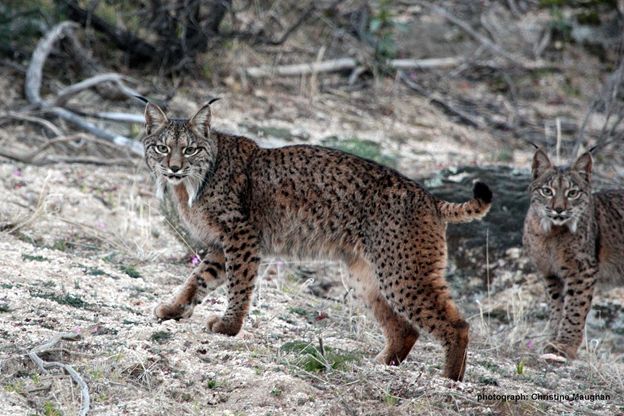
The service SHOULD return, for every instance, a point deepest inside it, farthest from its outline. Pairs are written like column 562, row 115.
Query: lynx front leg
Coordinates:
column 206, row 277
column 578, row 294
column 554, row 297
column 242, row 260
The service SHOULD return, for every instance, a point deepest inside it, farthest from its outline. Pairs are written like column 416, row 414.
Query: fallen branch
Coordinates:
column 114, row 116
column 45, row 365
column 342, row 64
column 468, row 119
column 133, row 145
column 67, row 93
column 33, row 94
column 34, row 73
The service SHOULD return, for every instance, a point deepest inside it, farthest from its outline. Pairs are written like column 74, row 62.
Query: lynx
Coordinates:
column 245, row 202
column 574, row 238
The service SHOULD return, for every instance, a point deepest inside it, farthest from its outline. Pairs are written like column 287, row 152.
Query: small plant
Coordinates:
column 313, row 359
column 4, row 307
column 65, row 299
column 131, row 271
column 16, row 387
column 391, row 400
column 50, row 410
column 520, row 367
column 62, row 245
column 34, row 258
column 276, row 391
column 161, row 337
column 212, row 384
column 489, row 381
column 95, row 271
column 382, row 28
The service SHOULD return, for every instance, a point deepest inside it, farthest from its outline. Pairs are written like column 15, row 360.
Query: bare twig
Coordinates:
column 468, row 119
column 114, row 116
column 66, row 93
column 31, row 119
column 45, row 365
column 31, row 158
column 606, row 97
column 134, row 146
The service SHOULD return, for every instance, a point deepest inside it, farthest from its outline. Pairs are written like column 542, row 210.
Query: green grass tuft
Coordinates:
column 131, row 271
column 161, row 337
column 310, row 358
column 34, row 258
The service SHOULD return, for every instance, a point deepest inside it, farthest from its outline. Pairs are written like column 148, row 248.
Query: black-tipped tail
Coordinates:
column 482, row 192
column 468, row 211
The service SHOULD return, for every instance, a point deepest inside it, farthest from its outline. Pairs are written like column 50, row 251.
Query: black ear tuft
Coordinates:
column 141, row 98
column 154, row 118
column 482, row 192
column 541, row 163
column 213, row 100
column 583, row 165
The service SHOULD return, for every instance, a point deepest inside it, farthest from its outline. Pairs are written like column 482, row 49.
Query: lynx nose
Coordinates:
column 174, row 168
column 559, row 210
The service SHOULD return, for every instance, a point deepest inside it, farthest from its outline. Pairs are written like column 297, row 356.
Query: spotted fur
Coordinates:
column 245, row 202
column 575, row 238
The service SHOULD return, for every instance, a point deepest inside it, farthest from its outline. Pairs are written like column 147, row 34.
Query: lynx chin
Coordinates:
column 245, row 202
column 575, row 238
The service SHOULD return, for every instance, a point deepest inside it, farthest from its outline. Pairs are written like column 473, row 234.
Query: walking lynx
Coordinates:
column 245, row 202
column 574, row 238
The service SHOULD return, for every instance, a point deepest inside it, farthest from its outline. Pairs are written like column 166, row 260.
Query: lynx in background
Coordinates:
column 575, row 238
column 245, row 202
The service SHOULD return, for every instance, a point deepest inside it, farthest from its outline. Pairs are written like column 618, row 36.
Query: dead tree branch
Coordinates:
column 467, row 118
column 33, row 94
column 67, row 93
column 343, row 64
column 34, row 73
column 45, row 365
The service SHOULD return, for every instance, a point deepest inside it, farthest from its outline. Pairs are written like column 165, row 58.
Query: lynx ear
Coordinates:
column 541, row 163
column 154, row 118
column 583, row 165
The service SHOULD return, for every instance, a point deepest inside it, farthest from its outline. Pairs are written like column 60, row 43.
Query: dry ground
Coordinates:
column 92, row 254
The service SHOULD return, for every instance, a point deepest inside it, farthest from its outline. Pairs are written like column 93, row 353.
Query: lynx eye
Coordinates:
column 546, row 192
column 162, row 149
column 190, row 151
column 573, row 194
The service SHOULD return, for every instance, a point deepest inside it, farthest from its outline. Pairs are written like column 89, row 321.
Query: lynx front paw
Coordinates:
column 219, row 325
column 165, row 311
column 558, row 348
column 387, row 357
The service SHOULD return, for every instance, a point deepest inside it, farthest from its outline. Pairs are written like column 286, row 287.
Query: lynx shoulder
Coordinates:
column 246, row 202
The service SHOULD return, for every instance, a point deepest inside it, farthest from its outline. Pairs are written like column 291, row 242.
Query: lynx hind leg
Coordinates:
column 400, row 335
column 206, row 277
column 417, row 290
